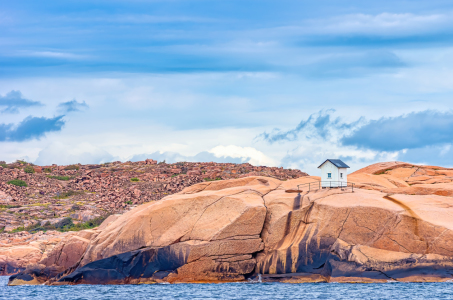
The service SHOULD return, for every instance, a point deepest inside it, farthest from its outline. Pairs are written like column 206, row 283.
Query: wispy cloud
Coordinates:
column 13, row 101
column 318, row 125
column 72, row 106
column 382, row 23
column 51, row 54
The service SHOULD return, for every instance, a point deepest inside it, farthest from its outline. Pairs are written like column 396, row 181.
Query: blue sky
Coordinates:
column 284, row 83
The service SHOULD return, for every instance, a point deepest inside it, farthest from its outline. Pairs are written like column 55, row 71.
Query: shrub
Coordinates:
column 128, row 202
column 29, row 170
column 21, row 162
column 72, row 167
column 4, row 165
column 47, row 170
column 65, row 178
column 18, row 182
column 135, row 179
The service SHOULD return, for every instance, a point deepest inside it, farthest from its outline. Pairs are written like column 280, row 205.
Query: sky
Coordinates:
column 278, row 83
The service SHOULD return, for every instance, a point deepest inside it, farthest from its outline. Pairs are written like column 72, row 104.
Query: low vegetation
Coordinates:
column 17, row 182
column 209, row 179
column 135, row 179
column 47, row 170
column 383, row 172
column 29, row 170
column 9, row 206
column 65, row 178
column 72, row 167
column 63, row 226
column 68, row 194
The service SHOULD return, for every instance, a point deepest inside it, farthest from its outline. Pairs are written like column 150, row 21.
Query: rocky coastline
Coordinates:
column 396, row 225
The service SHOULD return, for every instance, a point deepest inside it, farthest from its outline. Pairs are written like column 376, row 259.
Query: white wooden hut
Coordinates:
column 334, row 173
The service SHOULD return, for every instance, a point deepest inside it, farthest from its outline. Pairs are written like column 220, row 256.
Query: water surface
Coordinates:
column 232, row 291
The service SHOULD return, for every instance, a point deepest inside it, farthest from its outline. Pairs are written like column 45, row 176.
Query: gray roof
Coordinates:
column 337, row 162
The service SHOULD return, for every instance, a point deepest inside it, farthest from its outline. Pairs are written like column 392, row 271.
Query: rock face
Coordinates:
column 232, row 230
column 21, row 249
column 210, row 235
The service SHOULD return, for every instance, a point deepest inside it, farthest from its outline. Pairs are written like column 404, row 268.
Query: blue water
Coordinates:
column 232, row 291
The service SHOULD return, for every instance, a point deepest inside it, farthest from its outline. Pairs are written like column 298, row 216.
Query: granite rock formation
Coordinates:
column 396, row 225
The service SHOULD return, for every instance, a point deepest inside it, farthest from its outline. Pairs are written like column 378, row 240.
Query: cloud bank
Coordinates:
column 414, row 130
column 219, row 154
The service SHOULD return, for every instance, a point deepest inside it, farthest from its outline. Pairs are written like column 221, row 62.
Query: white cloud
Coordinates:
column 251, row 155
column 65, row 154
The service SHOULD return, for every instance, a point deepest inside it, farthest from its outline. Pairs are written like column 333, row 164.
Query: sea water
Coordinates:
column 231, row 291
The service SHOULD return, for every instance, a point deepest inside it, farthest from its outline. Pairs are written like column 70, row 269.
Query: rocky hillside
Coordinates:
column 84, row 192
column 393, row 227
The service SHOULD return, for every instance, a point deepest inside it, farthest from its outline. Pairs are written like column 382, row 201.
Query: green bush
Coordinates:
column 128, row 202
column 17, row 182
column 47, row 170
column 4, row 165
column 21, row 162
column 135, row 179
column 72, row 167
column 65, row 178
column 29, row 170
